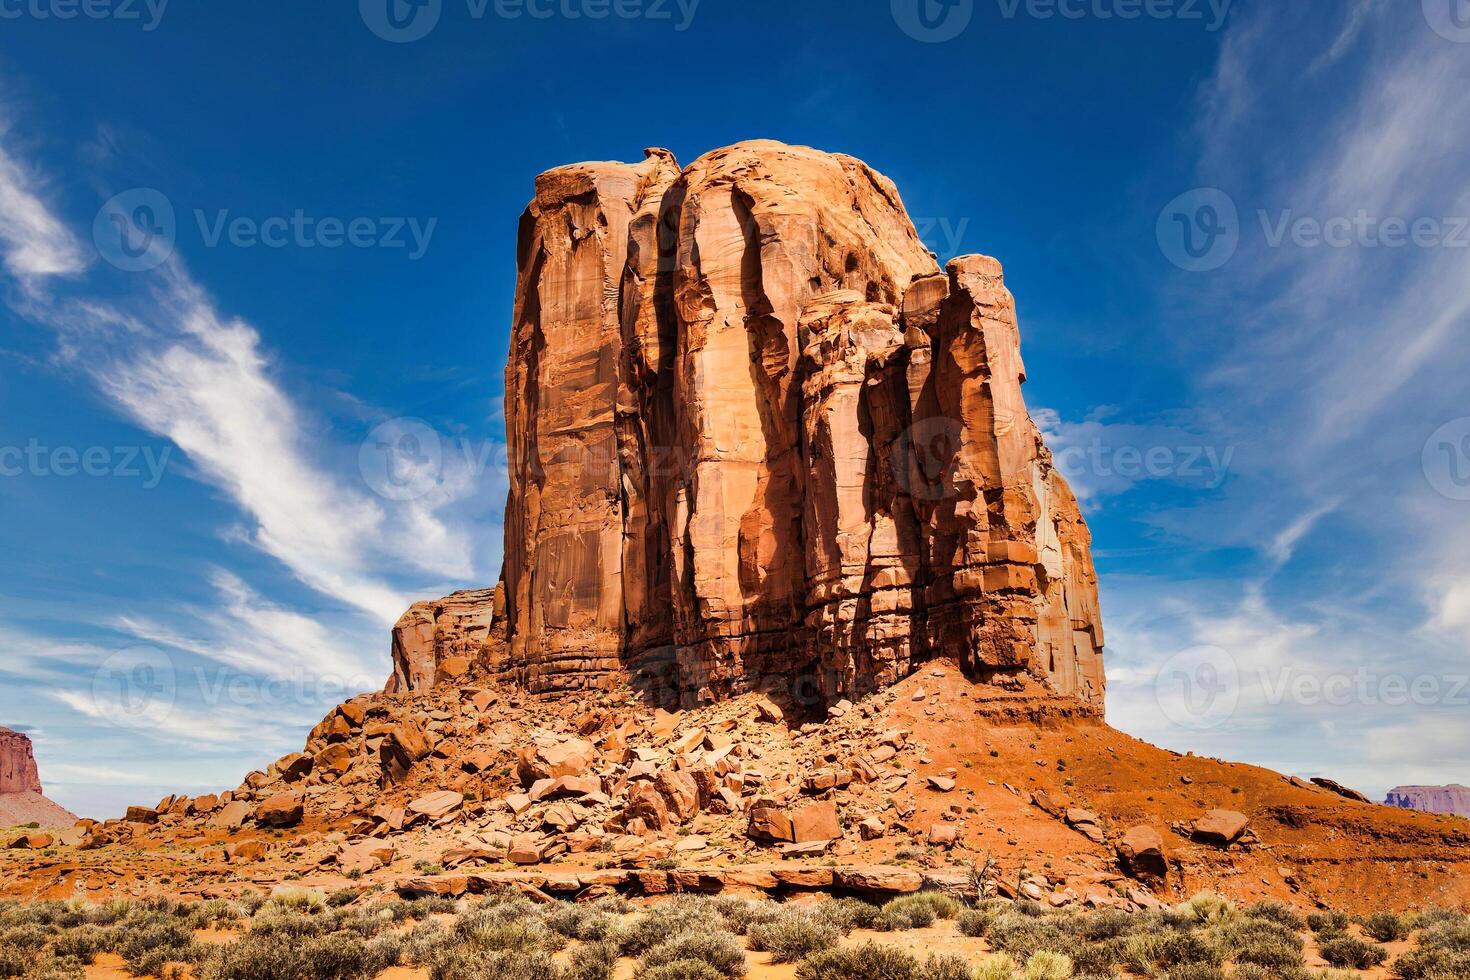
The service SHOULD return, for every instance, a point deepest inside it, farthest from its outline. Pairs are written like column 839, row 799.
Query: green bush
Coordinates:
column 1048, row 966
column 1159, row 952
column 848, row 914
column 681, row 970
column 917, row 911
column 1432, row 963
column 1329, row 922
column 1276, row 912
column 1386, row 927
column 974, row 922
column 866, row 962
column 1352, row 952
column 794, row 936
column 718, row 948
column 592, row 961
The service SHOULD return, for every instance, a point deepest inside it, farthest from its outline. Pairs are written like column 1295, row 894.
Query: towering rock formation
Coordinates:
column 1453, row 799
column 21, row 801
column 17, row 764
column 758, row 437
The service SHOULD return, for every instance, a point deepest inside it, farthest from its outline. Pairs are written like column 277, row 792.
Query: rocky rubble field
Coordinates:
column 935, row 783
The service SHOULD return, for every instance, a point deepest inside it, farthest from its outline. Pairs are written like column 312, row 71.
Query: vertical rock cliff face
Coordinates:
column 758, row 437
column 18, row 772
column 1454, row 799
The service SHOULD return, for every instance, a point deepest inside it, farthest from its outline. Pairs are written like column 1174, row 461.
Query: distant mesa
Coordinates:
column 1453, row 799
column 21, row 799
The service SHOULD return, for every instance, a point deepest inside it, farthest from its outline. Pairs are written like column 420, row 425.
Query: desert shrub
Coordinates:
column 299, row 899
column 1028, row 907
column 277, row 921
column 13, row 961
column 718, row 948
column 1206, row 908
column 31, row 937
column 1350, row 951
column 1436, row 916
column 1156, row 953
column 579, row 922
column 1099, row 959
column 1431, row 963
column 592, row 961
column 1263, row 943
column 740, row 915
column 83, row 943
column 464, row 962
column 794, row 936
column 1196, row 971
column 147, row 947
column 57, row 968
column 1386, row 927
column 1451, row 936
column 946, row 968
column 1024, row 937
column 848, row 914
column 868, row 961
column 1048, row 966
column 1277, row 912
column 974, row 922
column 1328, row 922
column 999, row 967
column 917, row 911
column 681, row 970
column 662, row 923
column 423, row 943
column 1106, row 924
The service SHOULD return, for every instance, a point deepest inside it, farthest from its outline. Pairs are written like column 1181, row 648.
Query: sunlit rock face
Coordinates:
column 759, row 438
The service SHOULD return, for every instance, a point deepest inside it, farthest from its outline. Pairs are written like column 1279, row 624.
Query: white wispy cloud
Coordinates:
column 35, row 243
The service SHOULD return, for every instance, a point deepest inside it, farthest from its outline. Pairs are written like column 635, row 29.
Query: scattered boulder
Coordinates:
column 1223, row 827
column 281, row 810
column 1141, row 852
column 436, row 806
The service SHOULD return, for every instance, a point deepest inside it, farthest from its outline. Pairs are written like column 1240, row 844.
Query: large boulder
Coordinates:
column 281, row 810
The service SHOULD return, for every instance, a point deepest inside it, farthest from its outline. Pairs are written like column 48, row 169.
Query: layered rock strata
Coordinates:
column 1453, row 799
column 757, row 437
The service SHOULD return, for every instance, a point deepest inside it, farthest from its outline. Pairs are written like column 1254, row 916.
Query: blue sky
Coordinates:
column 1234, row 231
